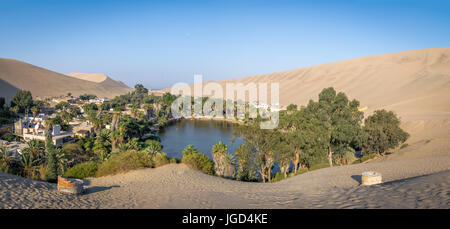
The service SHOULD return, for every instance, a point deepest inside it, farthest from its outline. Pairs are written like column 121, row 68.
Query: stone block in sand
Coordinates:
column 370, row 178
column 70, row 186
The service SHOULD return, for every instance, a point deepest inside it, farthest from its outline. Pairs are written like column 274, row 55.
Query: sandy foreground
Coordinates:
column 413, row 183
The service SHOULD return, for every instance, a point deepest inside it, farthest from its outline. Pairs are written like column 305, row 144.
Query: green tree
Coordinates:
column 383, row 132
column 223, row 163
column 23, row 99
column 247, row 170
column 63, row 105
column 292, row 107
column 2, row 102
column 264, row 142
column 168, row 99
column 74, row 153
column 34, row 110
column 340, row 121
column 87, row 96
column 35, row 148
column 140, row 89
column 29, row 164
column 102, row 145
column 52, row 160
column 152, row 147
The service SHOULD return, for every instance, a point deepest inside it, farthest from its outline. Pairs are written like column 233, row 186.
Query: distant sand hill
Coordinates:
column 415, row 84
column 15, row 75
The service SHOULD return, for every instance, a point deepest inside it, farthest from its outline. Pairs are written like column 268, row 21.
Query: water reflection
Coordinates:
column 202, row 134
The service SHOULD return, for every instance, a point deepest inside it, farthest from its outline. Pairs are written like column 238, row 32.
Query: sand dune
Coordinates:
column 415, row 84
column 414, row 183
column 93, row 77
column 98, row 78
column 15, row 75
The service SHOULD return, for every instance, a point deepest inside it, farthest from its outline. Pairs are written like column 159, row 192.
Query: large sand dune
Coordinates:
column 15, row 75
column 415, row 84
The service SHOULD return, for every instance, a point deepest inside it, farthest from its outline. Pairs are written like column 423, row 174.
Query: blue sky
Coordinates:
column 159, row 43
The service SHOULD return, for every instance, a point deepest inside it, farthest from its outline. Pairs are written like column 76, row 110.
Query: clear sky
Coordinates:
column 159, row 43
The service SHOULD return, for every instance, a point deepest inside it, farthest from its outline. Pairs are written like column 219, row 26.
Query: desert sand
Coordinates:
column 15, row 75
column 414, row 183
column 93, row 77
column 415, row 84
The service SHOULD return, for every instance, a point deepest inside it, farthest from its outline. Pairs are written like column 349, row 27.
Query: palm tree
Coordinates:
column 223, row 162
column 153, row 149
column 97, row 124
column 117, row 137
column 48, row 129
column 134, row 110
column 3, row 151
column 219, row 148
column 65, row 116
column 35, row 110
column 62, row 161
column 15, row 110
column 102, row 145
column 35, row 149
column 189, row 149
column 28, row 163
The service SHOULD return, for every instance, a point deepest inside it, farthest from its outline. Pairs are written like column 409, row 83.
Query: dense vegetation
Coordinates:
column 321, row 134
column 125, row 145
column 329, row 129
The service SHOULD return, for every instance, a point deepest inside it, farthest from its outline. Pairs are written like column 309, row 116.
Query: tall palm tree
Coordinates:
column 220, row 148
column 3, row 151
column 102, row 145
column 134, row 110
column 62, row 161
column 117, row 137
column 34, row 110
column 48, row 129
column 97, row 124
column 29, row 164
column 221, row 161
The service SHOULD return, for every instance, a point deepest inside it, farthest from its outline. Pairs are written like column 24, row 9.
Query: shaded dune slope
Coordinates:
column 45, row 83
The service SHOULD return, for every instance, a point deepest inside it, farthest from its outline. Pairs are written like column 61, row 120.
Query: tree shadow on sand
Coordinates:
column 95, row 189
column 357, row 178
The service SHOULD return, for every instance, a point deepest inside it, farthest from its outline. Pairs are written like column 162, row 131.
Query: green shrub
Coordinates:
column 83, row 170
column 4, row 121
column 365, row 158
column 196, row 160
column 123, row 162
column 404, row 145
column 278, row 176
column 10, row 137
column 160, row 159
column 319, row 166
column 4, row 168
column 301, row 170
column 173, row 160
